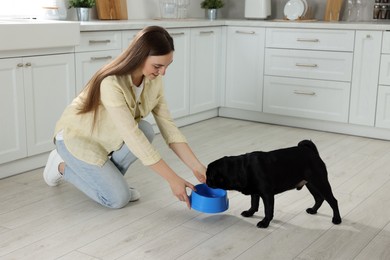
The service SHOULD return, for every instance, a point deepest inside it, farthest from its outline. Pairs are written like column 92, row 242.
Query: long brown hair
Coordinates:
column 151, row 41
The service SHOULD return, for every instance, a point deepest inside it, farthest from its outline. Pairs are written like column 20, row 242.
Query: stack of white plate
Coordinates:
column 295, row 9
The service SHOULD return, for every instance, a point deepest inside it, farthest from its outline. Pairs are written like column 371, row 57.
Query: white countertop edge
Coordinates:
column 106, row 25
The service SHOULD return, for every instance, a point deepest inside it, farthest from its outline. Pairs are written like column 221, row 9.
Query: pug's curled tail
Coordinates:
column 309, row 144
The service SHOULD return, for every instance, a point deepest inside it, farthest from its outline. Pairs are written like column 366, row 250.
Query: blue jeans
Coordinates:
column 105, row 185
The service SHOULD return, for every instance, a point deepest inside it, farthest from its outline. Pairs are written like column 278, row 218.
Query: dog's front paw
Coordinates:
column 263, row 224
column 336, row 220
column 247, row 213
column 311, row 211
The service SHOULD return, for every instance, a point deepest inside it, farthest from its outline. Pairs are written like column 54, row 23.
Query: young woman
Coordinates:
column 102, row 132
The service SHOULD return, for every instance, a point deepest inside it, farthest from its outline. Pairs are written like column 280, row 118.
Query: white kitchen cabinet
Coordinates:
column 127, row 38
column 365, row 77
column 308, row 73
column 386, row 42
column 384, row 74
column 324, row 65
column 310, row 39
column 88, row 63
column 49, row 87
column 383, row 108
column 244, row 68
column 315, row 99
column 205, row 68
column 101, row 40
column 12, row 110
column 382, row 119
column 96, row 49
column 176, row 79
column 38, row 89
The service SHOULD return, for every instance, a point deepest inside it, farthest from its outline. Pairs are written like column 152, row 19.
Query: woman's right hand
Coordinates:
column 179, row 189
column 178, row 184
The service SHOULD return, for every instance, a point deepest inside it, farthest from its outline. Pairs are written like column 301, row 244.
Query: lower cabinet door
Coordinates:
column 383, row 107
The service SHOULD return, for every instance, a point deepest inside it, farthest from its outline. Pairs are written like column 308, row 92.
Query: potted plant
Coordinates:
column 211, row 7
column 83, row 8
column 82, row 3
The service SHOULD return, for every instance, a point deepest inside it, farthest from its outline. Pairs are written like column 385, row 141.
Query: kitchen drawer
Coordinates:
column 383, row 107
column 309, row 39
column 384, row 73
column 315, row 99
column 100, row 41
column 386, row 42
column 309, row 64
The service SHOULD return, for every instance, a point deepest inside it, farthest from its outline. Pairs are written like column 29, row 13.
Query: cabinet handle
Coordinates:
column 306, row 65
column 101, row 58
column 99, row 41
column 307, row 40
column 245, row 32
column 307, row 93
column 177, row 34
column 19, row 65
column 28, row 64
column 206, row 32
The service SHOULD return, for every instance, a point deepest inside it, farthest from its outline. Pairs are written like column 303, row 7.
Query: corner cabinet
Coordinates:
column 35, row 91
column 383, row 105
column 244, row 69
column 364, row 88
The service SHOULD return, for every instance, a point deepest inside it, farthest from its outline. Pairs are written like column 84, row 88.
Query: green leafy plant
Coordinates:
column 81, row 3
column 212, row 4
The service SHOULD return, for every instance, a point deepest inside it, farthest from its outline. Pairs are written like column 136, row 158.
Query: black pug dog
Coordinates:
column 264, row 174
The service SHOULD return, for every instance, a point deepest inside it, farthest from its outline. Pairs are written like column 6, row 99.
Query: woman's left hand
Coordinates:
column 200, row 173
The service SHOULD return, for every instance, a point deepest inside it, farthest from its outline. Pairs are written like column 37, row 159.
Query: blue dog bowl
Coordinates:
column 208, row 200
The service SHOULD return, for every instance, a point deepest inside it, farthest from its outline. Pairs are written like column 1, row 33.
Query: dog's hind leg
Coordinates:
column 325, row 192
column 255, row 198
column 318, row 198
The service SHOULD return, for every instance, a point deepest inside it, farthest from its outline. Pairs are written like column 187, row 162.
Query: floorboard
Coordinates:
column 42, row 222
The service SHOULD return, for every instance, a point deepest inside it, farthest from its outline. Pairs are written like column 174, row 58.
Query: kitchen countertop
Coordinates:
column 100, row 25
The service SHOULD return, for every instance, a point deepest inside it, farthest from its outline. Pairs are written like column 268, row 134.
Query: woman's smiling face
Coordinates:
column 157, row 65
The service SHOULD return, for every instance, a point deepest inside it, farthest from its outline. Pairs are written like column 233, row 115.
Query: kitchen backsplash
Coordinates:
column 233, row 9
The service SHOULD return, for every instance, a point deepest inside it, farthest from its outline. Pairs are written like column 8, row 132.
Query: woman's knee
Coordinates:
column 115, row 200
column 147, row 129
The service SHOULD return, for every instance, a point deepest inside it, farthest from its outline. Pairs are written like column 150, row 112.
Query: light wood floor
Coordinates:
column 41, row 222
